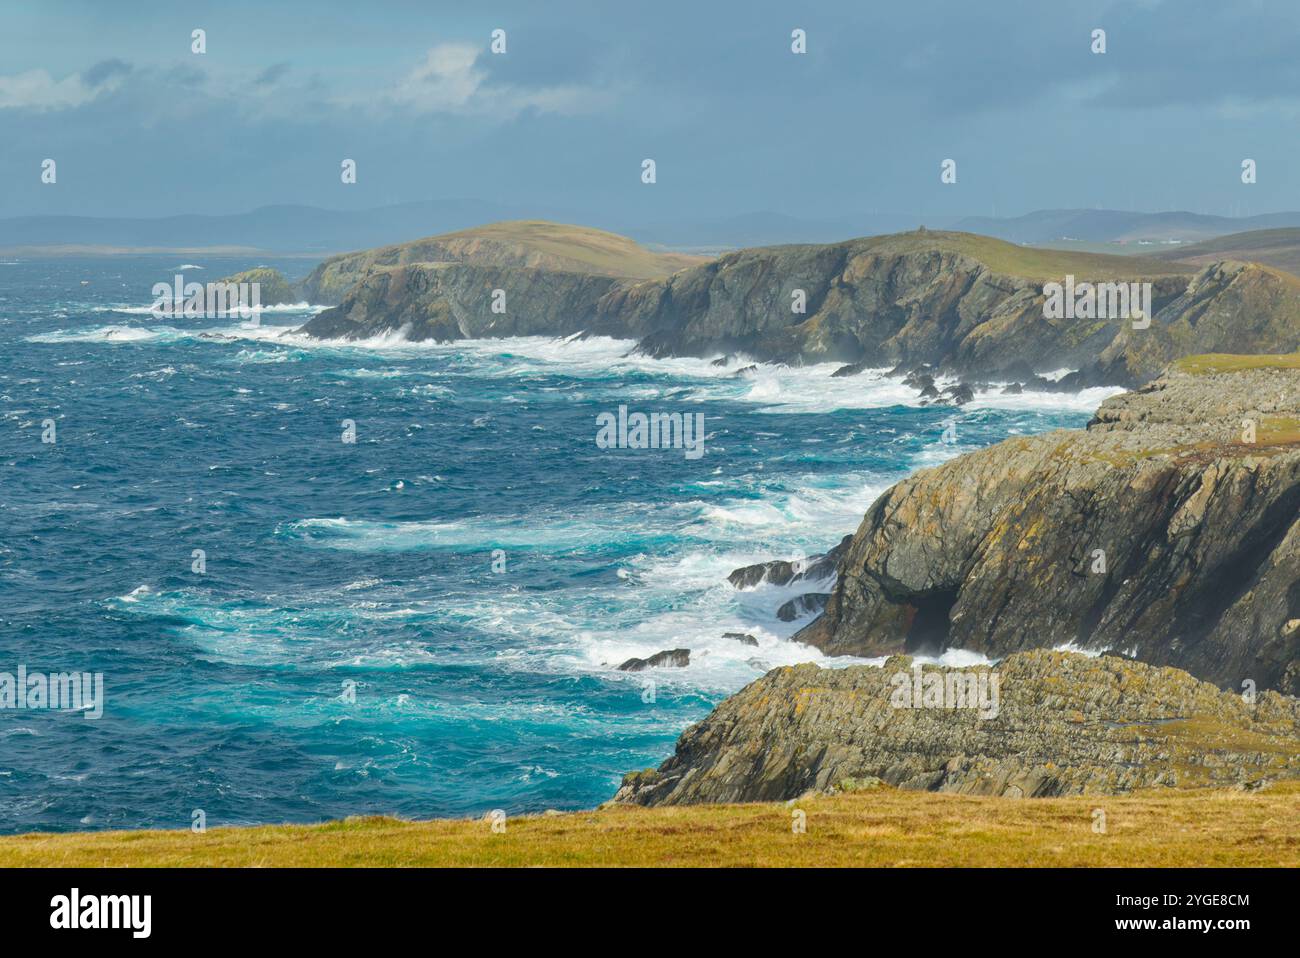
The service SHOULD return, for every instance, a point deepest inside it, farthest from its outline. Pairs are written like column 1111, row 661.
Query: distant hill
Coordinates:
column 1279, row 248
column 290, row 228
column 1099, row 226
column 308, row 230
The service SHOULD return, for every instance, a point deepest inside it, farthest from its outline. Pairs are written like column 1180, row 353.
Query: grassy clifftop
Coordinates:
column 1210, row 363
column 883, row 827
column 1027, row 262
column 535, row 244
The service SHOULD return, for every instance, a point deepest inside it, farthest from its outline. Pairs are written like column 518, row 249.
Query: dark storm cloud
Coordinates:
column 736, row 122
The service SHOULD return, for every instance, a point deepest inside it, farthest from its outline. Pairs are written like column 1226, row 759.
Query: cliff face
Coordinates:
column 962, row 302
column 1066, row 725
column 965, row 303
column 1227, row 307
column 449, row 301
column 1160, row 530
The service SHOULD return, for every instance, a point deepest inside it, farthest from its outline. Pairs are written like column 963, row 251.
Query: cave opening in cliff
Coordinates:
column 928, row 632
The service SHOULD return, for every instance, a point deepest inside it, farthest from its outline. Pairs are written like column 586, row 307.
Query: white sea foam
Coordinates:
column 773, row 387
column 105, row 334
column 673, row 593
column 672, row 590
column 303, row 308
column 1071, row 647
column 602, row 362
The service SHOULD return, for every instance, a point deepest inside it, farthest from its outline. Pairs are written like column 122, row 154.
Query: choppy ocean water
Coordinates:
column 370, row 566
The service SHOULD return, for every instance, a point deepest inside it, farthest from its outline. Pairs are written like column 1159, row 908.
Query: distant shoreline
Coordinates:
column 73, row 249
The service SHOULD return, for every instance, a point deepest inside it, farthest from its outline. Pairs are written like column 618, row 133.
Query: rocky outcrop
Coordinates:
column 1227, row 307
column 802, row 605
column 1064, row 724
column 814, row 568
column 667, row 659
column 450, row 301
column 272, row 288
column 1170, row 529
column 522, row 244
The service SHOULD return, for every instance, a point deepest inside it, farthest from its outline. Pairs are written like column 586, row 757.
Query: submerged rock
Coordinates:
column 959, row 394
column 744, row 638
column 852, row 369
column 801, row 605
column 780, row 572
column 667, row 659
column 1064, row 724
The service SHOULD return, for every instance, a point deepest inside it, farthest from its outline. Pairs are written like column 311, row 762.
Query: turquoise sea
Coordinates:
column 424, row 622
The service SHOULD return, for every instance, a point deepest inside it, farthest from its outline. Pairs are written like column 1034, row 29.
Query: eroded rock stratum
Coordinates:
column 1065, row 724
column 1168, row 529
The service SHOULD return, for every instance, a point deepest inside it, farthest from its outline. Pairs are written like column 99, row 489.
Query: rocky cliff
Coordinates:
column 954, row 301
column 1228, row 307
column 1169, row 528
column 966, row 303
column 449, row 301
column 1065, row 724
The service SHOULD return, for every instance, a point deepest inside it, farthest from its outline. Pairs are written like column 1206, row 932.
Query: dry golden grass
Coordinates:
column 878, row 828
column 598, row 250
column 1232, row 363
column 1031, row 262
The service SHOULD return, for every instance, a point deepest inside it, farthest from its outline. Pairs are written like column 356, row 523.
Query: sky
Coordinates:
column 140, row 125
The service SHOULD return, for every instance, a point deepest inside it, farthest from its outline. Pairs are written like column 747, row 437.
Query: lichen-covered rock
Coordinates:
column 1170, row 529
column 1065, row 724
column 1227, row 307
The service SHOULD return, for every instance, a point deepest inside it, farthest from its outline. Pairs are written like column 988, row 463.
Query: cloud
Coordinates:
column 38, row 91
column 446, row 80
column 452, row 80
column 271, row 74
column 105, row 71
